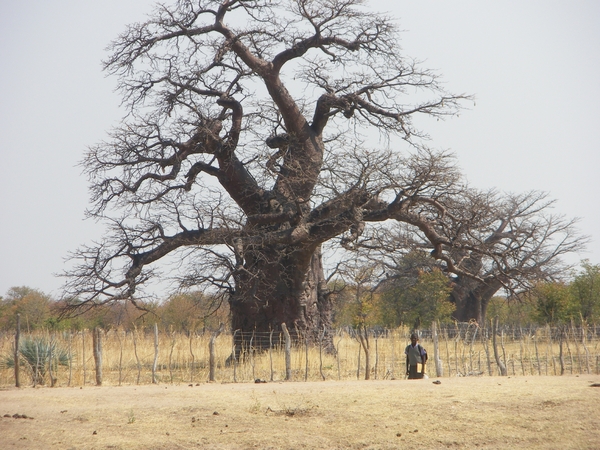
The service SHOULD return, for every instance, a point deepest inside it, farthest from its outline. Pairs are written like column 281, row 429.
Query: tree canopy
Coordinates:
column 491, row 242
column 260, row 133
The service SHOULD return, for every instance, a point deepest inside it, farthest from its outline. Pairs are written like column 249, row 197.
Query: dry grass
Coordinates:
column 181, row 411
column 128, row 358
column 533, row 412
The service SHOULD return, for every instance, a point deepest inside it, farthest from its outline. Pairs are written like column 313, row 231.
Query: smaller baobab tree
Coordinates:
column 523, row 243
column 486, row 242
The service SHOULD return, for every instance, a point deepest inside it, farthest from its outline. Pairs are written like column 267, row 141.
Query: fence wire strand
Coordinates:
column 131, row 357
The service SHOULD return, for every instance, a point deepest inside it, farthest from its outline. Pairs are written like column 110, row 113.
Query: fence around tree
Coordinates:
column 116, row 357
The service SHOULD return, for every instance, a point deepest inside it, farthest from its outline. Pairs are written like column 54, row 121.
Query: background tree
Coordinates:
column 243, row 152
column 190, row 311
column 402, row 273
column 422, row 302
column 485, row 242
column 585, row 289
column 344, row 307
column 554, row 303
column 513, row 312
column 365, row 304
column 107, row 316
column 33, row 305
column 525, row 244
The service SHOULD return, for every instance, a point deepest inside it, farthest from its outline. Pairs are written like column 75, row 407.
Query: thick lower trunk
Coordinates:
column 287, row 292
column 471, row 298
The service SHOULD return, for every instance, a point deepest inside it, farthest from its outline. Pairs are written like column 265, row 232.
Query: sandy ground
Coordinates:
column 486, row 412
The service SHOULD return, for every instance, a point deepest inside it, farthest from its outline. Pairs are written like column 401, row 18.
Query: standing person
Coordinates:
column 415, row 354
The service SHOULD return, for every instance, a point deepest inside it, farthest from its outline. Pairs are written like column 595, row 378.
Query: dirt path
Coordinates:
column 487, row 412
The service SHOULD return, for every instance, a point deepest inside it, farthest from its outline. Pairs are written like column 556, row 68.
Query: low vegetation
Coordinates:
column 128, row 358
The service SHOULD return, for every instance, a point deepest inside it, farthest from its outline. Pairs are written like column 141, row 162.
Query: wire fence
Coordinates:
column 116, row 357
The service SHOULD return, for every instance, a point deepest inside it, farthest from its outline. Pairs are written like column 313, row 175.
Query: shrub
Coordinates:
column 37, row 353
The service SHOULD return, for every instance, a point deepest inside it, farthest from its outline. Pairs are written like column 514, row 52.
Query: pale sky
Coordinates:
column 533, row 66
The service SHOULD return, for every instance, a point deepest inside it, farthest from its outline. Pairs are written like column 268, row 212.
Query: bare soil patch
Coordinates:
column 473, row 412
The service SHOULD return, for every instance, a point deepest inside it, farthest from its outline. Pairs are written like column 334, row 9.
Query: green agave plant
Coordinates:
column 36, row 354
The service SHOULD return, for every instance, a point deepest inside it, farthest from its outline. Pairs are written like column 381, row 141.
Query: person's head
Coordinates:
column 414, row 338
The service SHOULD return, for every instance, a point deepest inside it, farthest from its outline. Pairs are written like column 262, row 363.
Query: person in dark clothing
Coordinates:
column 415, row 354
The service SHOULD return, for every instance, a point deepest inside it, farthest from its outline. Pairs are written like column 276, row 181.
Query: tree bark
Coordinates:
column 294, row 293
column 471, row 298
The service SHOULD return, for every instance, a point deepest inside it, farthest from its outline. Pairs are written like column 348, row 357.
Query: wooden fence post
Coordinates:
column 485, row 338
column 321, row 336
column 447, row 351
column 306, row 355
column 375, row 368
column 171, row 354
column 117, row 333
column 193, row 357
column 271, row 353
column 70, row 359
column 393, row 354
column 569, row 348
column 363, row 335
column 500, row 363
column 560, row 352
column 252, row 361
column 51, row 353
column 83, row 355
column 550, row 347
column 17, row 362
column 212, row 353
column 337, row 358
column 288, row 352
column 579, row 367
column 504, row 352
column 36, row 374
column 521, row 351
column 155, row 362
column 358, row 365
column 472, row 371
column 537, row 355
column 234, row 358
column 585, row 349
column 439, row 369
column 97, row 344
column 456, row 348
column 135, row 352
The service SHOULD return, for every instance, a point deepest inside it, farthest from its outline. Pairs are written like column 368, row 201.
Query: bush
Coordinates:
column 37, row 353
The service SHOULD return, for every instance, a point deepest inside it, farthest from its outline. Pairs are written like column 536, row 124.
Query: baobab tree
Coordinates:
column 522, row 243
column 485, row 242
column 243, row 151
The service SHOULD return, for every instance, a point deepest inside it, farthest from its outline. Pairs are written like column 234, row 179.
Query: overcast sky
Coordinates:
column 533, row 66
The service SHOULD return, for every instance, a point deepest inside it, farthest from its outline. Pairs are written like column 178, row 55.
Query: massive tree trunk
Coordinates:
column 471, row 298
column 271, row 292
